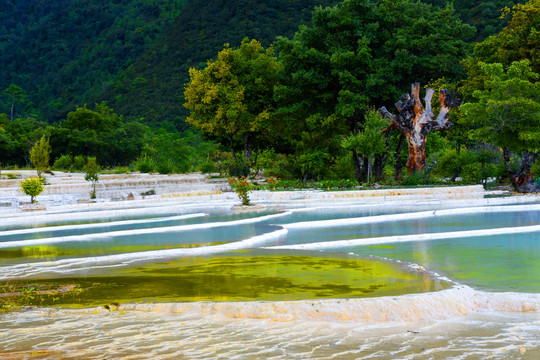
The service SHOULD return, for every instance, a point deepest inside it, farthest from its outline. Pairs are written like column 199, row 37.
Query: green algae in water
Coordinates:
column 247, row 277
column 490, row 263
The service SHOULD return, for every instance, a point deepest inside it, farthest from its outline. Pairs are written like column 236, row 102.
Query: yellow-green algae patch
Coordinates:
column 247, row 277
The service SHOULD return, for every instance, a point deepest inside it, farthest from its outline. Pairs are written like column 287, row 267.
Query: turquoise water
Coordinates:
column 112, row 245
column 299, row 283
column 493, row 263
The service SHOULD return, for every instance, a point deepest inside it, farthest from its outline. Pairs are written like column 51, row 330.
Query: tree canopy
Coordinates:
column 232, row 96
column 362, row 53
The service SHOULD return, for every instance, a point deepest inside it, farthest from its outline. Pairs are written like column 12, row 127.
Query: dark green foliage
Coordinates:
column 197, row 35
column 476, row 165
column 98, row 132
column 484, row 15
column 65, row 52
column 237, row 168
column 136, row 53
column 418, row 178
column 64, row 162
column 17, row 138
column 355, row 55
column 145, row 164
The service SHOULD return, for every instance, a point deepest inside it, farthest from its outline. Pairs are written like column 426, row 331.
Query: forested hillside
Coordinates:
column 152, row 88
column 64, row 53
column 289, row 87
column 136, row 53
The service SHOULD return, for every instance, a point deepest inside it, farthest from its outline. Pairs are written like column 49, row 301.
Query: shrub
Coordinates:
column 241, row 187
column 32, row 186
column 78, row 163
column 40, row 155
column 164, row 167
column 121, row 170
column 417, row 178
column 237, row 168
column 64, row 162
column 208, row 167
column 145, row 164
column 92, row 170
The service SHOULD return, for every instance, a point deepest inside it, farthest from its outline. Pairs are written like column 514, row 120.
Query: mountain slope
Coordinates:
column 64, row 52
column 153, row 86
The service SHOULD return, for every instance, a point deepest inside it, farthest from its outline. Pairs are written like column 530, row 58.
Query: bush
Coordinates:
column 32, row 186
column 92, row 170
column 145, row 164
column 64, row 162
column 40, row 155
column 208, row 167
column 417, row 178
column 78, row 163
column 164, row 167
column 242, row 188
column 121, row 170
column 237, row 168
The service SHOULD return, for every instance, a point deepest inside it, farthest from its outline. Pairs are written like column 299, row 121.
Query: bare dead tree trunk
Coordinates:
column 416, row 123
column 523, row 180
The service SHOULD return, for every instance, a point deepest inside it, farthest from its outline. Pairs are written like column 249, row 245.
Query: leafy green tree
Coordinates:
column 358, row 54
column 506, row 113
column 32, row 186
column 40, row 155
column 517, row 41
column 98, row 132
column 91, row 173
column 17, row 138
column 16, row 95
column 371, row 140
column 232, row 96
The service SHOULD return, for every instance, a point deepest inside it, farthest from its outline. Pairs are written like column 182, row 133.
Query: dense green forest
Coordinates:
column 135, row 54
column 113, row 80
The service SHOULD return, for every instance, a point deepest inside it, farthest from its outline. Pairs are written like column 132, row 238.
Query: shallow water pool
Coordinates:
column 351, row 282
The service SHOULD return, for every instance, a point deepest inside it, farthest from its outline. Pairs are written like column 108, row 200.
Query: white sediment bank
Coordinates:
column 443, row 324
column 444, row 304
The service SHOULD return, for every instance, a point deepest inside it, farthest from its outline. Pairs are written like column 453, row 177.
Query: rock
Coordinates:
column 32, row 207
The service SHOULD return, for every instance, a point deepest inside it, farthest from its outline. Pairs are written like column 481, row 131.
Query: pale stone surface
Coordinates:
column 71, row 191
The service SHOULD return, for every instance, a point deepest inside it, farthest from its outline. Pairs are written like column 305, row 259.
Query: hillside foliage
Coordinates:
column 284, row 87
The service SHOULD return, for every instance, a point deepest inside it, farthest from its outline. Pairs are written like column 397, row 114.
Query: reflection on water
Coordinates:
column 245, row 276
column 175, row 287
column 497, row 263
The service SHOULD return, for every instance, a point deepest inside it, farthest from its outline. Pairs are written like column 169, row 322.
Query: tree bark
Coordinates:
column 380, row 159
column 523, row 180
column 416, row 123
column 247, row 148
column 398, row 168
column 231, row 140
column 357, row 167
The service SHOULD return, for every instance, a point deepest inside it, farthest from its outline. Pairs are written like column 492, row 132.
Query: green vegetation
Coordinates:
column 15, row 295
column 232, row 97
column 150, row 86
column 91, row 173
column 40, row 155
column 242, row 188
column 32, row 186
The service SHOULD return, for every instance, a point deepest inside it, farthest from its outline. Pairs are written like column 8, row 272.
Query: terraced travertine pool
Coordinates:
column 315, row 281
